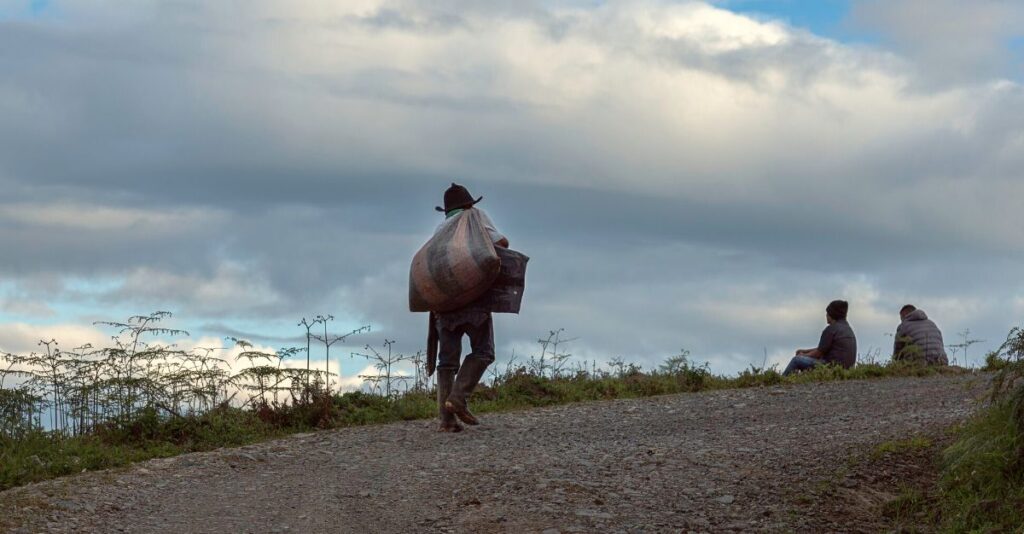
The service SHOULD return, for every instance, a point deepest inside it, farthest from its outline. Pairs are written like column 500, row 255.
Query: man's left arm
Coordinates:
column 500, row 241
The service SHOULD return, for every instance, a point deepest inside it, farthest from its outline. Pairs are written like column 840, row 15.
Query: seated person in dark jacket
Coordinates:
column 918, row 338
column 838, row 343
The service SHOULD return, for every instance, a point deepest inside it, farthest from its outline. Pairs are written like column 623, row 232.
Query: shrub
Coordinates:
column 527, row 389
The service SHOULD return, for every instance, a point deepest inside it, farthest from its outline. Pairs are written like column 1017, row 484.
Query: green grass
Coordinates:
column 902, row 446
column 911, row 507
column 982, row 486
column 39, row 456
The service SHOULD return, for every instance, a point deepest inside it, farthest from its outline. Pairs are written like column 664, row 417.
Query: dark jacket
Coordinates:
column 917, row 338
column 838, row 344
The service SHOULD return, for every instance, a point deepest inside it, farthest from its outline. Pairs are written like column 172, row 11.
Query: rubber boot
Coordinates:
column 469, row 376
column 445, row 379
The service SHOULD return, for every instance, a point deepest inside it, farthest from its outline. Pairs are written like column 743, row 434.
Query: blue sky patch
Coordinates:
column 826, row 18
column 37, row 7
column 25, row 9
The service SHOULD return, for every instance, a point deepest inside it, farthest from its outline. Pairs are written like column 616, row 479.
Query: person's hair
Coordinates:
column 837, row 309
column 907, row 309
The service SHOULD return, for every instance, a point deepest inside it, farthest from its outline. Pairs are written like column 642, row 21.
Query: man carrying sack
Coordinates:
column 455, row 382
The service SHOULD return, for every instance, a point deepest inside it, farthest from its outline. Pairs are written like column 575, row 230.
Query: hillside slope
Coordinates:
column 739, row 459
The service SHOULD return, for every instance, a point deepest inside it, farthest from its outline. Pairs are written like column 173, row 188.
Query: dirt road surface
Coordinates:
column 739, row 460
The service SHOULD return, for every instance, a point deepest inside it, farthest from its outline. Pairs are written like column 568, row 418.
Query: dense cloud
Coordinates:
column 682, row 176
column 949, row 41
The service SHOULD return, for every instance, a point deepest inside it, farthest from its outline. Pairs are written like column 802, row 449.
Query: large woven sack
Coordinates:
column 454, row 267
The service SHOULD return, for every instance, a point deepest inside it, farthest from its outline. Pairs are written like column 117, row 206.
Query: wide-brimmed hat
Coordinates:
column 457, row 197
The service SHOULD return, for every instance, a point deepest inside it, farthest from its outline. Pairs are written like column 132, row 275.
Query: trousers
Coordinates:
column 801, row 363
column 481, row 342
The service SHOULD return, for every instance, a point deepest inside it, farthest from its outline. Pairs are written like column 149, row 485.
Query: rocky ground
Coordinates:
column 739, row 460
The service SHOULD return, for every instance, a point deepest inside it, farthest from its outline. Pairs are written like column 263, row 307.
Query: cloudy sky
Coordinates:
column 698, row 175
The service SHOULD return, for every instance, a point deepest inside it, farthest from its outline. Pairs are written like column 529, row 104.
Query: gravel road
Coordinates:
column 737, row 460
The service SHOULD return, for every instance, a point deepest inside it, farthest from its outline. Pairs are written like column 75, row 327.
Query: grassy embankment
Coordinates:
column 975, row 478
column 982, row 484
column 37, row 455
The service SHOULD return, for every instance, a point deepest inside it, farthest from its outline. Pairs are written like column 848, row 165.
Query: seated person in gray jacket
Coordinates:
column 838, row 343
column 918, row 339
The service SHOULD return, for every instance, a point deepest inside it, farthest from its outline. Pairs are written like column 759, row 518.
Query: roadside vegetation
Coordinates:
column 68, row 411
column 971, row 477
column 982, row 483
